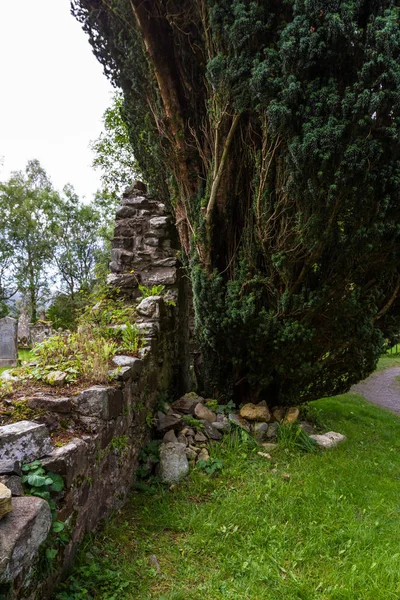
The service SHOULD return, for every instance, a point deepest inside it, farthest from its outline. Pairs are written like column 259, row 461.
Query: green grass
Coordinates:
column 329, row 532
column 388, row 360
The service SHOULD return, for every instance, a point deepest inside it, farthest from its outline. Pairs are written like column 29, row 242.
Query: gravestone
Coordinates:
column 8, row 342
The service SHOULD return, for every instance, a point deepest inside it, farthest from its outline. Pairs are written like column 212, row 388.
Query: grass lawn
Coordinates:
column 330, row 531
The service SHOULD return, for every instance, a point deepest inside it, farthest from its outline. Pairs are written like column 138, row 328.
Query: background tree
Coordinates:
column 276, row 126
column 113, row 154
column 76, row 228
column 27, row 203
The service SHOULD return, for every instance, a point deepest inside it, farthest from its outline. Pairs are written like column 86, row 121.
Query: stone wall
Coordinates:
column 114, row 421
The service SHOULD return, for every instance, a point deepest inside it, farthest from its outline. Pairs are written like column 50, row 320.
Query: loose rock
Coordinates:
column 255, row 412
column 191, row 454
column 328, row 440
column 239, row 421
column 278, row 413
column 292, row 414
column 5, row 500
column 204, row 455
column 200, row 437
column 260, row 430
column 222, row 425
column 170, row 437
column 210, row 431
column 56, row 377
column 204, row 413
column 187, row 403
column 167, row 422
column 272, row 431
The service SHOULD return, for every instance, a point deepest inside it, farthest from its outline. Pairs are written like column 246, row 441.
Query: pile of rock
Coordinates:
column 188, row 425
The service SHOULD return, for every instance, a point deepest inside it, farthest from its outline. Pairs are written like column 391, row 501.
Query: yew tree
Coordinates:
column 272, row 128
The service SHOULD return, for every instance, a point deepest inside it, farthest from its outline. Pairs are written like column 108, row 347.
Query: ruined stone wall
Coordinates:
column 98, row 466
column 145, row 252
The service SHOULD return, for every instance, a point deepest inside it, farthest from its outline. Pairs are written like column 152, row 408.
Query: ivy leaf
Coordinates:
column 56, row 482
column 58, row 526
column 36, row 480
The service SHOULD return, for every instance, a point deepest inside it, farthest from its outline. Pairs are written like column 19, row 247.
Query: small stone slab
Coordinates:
column 186, row 404
column 328, row 440
column 22, row 532
column 60, row 405
column 5, row 500
column 24, row 441
column 173, row 465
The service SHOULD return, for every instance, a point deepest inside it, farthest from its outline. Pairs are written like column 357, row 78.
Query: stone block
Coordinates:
column 59, row 405
column 69, row 461
column 14, row 483
column 10, row 467
column 150, row 307
column 100, row 402
column 135, row 364
column 24, row 441
column 160, row 276
column 22, row 532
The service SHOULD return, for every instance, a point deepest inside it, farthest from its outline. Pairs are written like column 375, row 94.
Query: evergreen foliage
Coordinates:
column 276, row 126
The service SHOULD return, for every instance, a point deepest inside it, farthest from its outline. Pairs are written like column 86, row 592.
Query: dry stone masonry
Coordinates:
column 98, row 465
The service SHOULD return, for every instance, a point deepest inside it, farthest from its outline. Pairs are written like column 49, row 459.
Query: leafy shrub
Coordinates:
column 38, row 482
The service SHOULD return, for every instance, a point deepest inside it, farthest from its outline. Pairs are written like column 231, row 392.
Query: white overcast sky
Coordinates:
column 53, row 93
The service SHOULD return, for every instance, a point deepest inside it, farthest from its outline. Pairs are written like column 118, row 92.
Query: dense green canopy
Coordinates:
column 273, row 129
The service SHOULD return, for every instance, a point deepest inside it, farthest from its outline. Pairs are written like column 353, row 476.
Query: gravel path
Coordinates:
column 382, row 389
